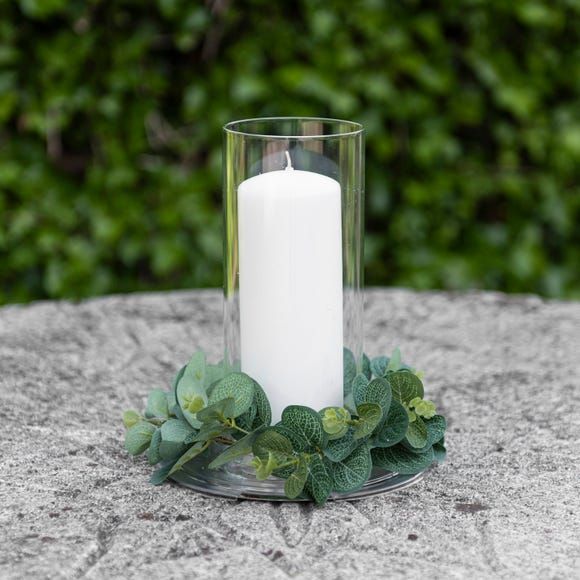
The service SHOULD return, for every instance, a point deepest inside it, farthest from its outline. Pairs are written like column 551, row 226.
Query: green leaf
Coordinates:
column 395, row 361
column 188, row 456
column 157, row 404
column 176, row 379
column 161, row 474
column 298, row 442
column 379, row 365
column 349, row 370
column 405, row 386
column 238, row 449
column 306, row 423
column 263, row 409
column 366, row 367
column 240, row 387
column 369, row 417
column 264, row 466
column 174, row 432
column 171, row 400
column 334, row 421
column 131, row 418
column 439, row 452
column 196, row 368
column 319, row 481
column 359, row 386
column 417, row 433
column 246, row 420
column 422, row 407
column 153, row 454
column 272, row 442
column 210, row 430
column 297, row 480
column 190, row 389
column 435, row 432
column 138, row 437
column 352, row 472
column 394, row 428
column 400, row 460
column 436, row 428
column 377, row 391
column 338, row 449
column 213, row 374
column 218, row 411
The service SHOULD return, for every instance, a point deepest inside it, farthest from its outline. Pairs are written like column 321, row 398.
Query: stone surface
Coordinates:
column 505, row 370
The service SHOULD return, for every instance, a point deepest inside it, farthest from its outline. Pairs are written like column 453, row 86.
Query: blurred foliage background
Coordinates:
column 110, row 135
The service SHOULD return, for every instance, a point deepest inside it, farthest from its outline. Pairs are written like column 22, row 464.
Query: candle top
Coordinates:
column 289, row 181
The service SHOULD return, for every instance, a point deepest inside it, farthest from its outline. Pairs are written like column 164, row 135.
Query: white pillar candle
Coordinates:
column 290, row 258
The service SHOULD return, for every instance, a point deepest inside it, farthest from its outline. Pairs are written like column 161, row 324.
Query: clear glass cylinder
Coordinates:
column 293, row 255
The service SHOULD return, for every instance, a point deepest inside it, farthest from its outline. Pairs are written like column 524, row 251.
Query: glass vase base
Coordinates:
column 237, row 481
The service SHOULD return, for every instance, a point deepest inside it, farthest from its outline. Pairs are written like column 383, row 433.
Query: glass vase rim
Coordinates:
column 354, row 128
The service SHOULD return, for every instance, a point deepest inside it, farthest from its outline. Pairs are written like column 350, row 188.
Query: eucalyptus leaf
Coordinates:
column 213, row 374
column 188, row 456
column 306, row 423
column 159, row 476
column 131, row 418
column 369, row 417
column 405, row 386
column 177, row 378
column 352, row 472
column 196, row 368
column 153, row 455
column 339, row 449
column 157, row 404
column 394, row 428
column 175, row 430
column 295, row 483
column 400, row 460
column 211, row 430
column 238, row 449
column 272, row 442
column 240, row 387
column 394, row 361
column 319, row 481
column 174, row 433
column 138, row 437
column 171, row 400
column 379, row 365
column 190, row 390
column 218, row 411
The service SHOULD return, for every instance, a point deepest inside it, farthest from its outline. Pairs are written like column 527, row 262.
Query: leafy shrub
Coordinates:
column 110, row 116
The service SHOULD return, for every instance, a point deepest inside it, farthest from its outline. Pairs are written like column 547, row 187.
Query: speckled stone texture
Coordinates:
column 73, row 504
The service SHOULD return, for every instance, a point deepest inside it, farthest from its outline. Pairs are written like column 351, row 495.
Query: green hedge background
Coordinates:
column 110, row 135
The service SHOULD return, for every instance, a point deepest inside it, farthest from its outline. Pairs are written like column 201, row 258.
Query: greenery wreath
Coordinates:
column 385, row 422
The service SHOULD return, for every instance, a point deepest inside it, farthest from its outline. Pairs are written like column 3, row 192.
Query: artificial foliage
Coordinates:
column 386, row 422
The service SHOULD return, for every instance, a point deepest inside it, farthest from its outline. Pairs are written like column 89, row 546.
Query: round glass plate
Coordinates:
column 237, row 481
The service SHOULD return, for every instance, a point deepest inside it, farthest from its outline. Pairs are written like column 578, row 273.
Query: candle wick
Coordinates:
column 289, row 166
